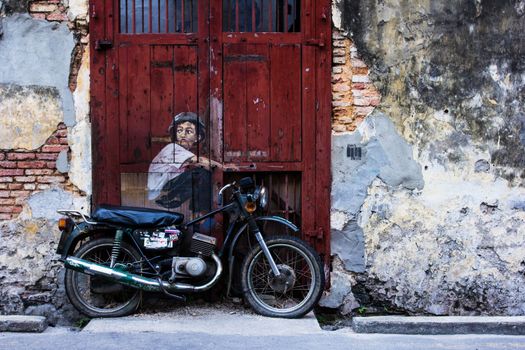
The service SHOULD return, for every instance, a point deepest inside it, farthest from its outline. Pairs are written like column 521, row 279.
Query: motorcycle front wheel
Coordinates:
column 96, row 296
column 295, row 291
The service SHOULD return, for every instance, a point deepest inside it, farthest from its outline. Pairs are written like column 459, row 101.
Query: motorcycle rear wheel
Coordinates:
column 111, row 299
column 296, row 291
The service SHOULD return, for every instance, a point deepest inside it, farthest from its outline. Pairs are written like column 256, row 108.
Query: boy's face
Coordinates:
column 187, row 135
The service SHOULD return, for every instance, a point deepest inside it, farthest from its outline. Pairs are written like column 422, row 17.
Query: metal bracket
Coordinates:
column 103, row 44
column 317, row 42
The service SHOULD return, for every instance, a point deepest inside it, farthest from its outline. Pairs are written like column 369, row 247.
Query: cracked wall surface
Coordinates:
column 45, row 148
column 443, row 230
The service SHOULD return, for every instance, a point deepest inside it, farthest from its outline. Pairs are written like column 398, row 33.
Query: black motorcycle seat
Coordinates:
column 136, row 217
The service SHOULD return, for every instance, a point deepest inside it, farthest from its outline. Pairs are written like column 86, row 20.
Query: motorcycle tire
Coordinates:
column 130, row 298
column 298, row 288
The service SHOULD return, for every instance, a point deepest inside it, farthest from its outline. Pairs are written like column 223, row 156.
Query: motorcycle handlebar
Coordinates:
column 224, row 188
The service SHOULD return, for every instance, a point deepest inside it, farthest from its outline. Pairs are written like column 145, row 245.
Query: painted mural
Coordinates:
column 177, row 174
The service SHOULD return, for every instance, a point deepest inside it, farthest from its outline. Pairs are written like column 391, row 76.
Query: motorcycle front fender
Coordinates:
column 243, row 228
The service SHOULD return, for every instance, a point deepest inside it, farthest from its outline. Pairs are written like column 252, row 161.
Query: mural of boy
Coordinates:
column 176, row 174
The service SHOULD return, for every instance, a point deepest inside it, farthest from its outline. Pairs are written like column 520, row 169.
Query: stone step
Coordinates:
column 508, row 325
column 19, row 323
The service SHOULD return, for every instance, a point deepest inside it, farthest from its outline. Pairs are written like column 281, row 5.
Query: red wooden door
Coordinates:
column 271, row 65
column 255, row 74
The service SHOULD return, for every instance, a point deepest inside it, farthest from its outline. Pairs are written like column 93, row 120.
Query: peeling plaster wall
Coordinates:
column 45, row 148
column 38, row 53
column 431, row 219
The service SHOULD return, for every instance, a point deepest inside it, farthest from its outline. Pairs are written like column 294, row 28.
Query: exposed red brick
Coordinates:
column 5, row 216
column 375, row 101
column 7, row 164
column 25, row 178
column 52, row 141
column 51, row 165
column 29, row 186
column 20, row 156
column 15, row 186
column 358, row 86
column 37, row 164
column 6, row 179
column 61, row 133
column 11, row 172
column 11, row 209
column 47, row 156
column 57, row 16
column 38, row 15
column 353, row 94
column 63, row 141
column 18, row 194
column 7, row 201
column 54, row 148
column 3, row 186
column 2, row 156
column 51, row 179
column 4, row 194
column 62, row 126
column 39, row 172
column 42, row 6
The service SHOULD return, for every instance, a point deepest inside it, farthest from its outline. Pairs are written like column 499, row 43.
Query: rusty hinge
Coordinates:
column 103, row 44
column 317, row 42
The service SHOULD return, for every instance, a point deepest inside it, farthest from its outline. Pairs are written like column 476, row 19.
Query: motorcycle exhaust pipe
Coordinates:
column 136, row 281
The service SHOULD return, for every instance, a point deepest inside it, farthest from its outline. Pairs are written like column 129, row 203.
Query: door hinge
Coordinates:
column 317, row 42
column 103, row 44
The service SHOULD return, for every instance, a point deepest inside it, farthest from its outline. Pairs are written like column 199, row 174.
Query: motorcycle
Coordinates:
column 125, row 250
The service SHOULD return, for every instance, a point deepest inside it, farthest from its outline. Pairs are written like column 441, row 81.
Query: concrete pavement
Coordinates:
column 207, row 320
column 60, row 339
column 233, row 327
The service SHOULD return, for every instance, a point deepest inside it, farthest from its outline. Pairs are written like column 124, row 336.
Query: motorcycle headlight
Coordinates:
column 263, row 197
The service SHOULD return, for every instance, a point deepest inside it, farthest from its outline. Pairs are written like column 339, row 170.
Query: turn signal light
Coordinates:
column 250, row 207
column 62, row 224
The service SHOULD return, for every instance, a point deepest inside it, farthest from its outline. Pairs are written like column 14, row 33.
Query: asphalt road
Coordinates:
column 343, row 339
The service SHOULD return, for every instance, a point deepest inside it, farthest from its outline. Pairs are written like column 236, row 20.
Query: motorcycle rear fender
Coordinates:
column 67, row 245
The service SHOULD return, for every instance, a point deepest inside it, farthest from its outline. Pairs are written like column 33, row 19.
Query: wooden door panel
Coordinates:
column 185, row 79
column 286, row 116
column 258, row 103
column 262, row 103
column 134, row 114
column 161, row 96
column 234, row 89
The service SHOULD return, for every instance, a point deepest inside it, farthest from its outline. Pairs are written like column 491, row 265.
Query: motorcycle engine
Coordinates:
column 194, row 266
column 202, row 244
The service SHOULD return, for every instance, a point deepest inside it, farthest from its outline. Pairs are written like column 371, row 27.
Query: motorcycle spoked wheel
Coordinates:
column 296, row 291
column 98, row 297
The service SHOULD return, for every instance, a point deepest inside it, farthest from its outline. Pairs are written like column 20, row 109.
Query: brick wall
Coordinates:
column 353, row 95
column 24, row 172
column 51, row 10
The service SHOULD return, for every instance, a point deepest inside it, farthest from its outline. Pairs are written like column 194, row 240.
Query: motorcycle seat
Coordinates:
column 136, row 217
